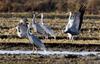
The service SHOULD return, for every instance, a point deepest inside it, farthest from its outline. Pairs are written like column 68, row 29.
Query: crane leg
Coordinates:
column 54, row 37
column 34, row 48
column 46, row 37
column 70, row 36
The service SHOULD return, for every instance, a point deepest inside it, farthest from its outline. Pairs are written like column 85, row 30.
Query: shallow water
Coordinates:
column 84, row 53
column 45, row 53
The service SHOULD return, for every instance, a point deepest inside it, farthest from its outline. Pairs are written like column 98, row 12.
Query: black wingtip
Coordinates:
column 82, row 11
column 82, row 8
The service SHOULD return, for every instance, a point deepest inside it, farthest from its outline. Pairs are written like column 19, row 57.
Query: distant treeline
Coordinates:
column 92, row 6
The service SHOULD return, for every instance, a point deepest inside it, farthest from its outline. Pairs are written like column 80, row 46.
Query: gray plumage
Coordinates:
column 34, row 40
column 22, row 28
column 46, row 28
column 74, row 23
column 36, row 26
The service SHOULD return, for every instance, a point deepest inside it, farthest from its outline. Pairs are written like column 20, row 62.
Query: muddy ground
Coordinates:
column 55, row 47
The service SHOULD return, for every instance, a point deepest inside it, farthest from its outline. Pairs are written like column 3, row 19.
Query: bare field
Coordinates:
column 87, row 40
column 90, row 32
column 27, row 60
column 10, row 59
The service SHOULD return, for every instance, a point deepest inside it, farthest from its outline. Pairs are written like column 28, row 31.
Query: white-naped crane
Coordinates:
column 74, row 22
column 37, row 27
column 46, row 28
column 34, row 40
column 22, row 27
column 41, row 28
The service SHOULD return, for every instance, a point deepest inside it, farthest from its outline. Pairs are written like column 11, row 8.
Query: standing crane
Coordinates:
column 22, row 27
column 41, row 28
column 34, row 40
column 46, row 28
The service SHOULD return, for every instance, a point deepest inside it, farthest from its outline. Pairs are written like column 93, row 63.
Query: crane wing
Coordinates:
column 48, row 30
column 76, row 22
column 22, row 30
column 34, row 40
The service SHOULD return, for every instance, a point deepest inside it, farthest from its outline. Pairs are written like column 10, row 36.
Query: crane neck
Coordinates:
column 33, row 19
column 28, row 30
column 42, row 18
column 70, row 15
